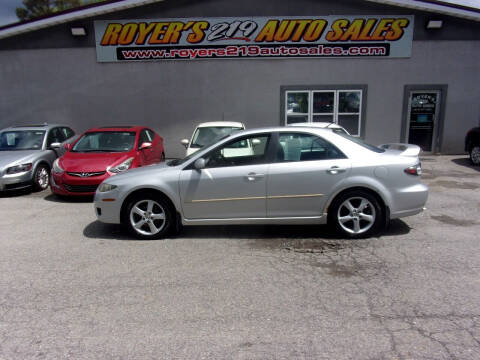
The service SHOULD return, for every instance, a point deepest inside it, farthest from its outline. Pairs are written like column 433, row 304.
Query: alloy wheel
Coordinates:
column 42, row 178
column 475, row 155
column 356, row 215
column 147, row 217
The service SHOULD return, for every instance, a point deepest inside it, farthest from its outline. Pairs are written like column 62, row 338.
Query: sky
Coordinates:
column 7, row 11
column 7, row 8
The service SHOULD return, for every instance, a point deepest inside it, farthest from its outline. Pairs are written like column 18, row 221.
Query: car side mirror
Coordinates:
column 256, row 141
column 67, row 146
column 55, row 145
column 199, row 164
column 184, row 142
column 146, row 145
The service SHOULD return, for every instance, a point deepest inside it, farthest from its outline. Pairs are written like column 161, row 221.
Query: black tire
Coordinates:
column 147, row 222
column 475, row 155
column 41, row 178
column 356, row 214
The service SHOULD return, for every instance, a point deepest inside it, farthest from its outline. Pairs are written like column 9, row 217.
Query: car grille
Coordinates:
column 81, row 188
column 86, row 174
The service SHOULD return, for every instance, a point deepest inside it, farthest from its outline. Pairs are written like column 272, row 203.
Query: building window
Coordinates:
column 343, row 107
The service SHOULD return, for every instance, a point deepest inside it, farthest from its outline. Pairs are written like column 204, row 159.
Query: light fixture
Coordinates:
column 79, row 31
column 434, row 24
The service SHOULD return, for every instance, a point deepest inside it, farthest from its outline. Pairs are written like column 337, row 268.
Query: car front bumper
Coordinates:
column 15, row 181
column 108, row 206
column 64, row 184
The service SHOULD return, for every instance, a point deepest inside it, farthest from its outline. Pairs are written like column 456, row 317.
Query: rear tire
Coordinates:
column 148, row 216
column 356, row 214
column 475, row 155
column 41, row 178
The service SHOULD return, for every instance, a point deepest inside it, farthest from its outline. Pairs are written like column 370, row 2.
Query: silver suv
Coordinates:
column 27, row 153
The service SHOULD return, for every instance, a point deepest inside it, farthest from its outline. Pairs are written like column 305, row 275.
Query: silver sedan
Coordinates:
column 290, row 175
column 27, row 154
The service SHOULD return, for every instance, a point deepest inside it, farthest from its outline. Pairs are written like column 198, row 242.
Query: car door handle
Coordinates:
column 253, row 176
column 335, row 170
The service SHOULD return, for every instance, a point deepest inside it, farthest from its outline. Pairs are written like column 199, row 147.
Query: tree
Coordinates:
column 35, row 8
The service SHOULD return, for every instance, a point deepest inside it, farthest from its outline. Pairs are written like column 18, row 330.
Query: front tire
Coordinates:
column 475, row 155
column 148, row 217
column 356, row 214
column 41, row 178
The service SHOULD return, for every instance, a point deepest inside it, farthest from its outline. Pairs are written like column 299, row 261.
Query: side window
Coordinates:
column 249, row 150
column 143, row 137
column 150, row 135
column 305, row 147
column 67, row 132
column 55, row 136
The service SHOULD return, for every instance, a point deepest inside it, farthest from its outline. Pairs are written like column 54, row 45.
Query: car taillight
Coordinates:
column 414, row 170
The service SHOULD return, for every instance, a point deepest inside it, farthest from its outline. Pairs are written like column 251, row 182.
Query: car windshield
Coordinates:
column 361, row 143
column 105, row 141
column 205, row 136
column 21, row 140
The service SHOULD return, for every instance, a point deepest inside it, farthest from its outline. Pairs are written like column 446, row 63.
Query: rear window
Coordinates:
column 362, row 143
column 205, row 136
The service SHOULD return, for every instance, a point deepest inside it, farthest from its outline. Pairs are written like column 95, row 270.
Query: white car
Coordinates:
column 323, row 125
column 208, row 133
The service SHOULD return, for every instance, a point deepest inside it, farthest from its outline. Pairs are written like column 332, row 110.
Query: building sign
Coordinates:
column 254, row 37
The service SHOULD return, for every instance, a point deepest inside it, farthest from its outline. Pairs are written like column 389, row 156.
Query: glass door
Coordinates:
column 423, row 109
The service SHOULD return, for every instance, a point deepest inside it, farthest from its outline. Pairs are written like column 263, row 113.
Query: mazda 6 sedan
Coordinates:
column 295, row 175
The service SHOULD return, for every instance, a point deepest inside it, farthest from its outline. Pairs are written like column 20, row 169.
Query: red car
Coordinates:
column 102, row 152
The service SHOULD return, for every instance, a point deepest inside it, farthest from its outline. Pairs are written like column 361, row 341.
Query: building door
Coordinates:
column 423, row 119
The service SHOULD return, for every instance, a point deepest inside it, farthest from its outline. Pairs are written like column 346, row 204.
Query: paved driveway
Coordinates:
column 71, row 287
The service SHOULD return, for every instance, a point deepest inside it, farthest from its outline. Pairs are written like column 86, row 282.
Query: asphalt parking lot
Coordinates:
column 71, row 287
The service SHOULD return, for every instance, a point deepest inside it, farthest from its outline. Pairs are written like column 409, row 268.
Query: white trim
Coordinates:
column 127, row 4
column 435, row 8
column 74, row 15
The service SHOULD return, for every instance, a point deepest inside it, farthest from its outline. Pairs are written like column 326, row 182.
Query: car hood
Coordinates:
column 138, row 172
column 90, row 162
column 17, row 157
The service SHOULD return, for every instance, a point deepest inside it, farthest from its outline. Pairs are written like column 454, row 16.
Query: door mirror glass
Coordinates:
column 146, row 145
column 199, row 164
column 184, row 142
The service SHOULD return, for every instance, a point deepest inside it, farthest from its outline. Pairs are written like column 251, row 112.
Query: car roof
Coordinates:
column 221, row 123
column 317, row 125
column 34, row 127
column 132, row 128
column 327, row 133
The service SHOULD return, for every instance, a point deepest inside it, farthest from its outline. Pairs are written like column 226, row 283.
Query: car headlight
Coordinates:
column 121, row 167
column 104, row 187
column 57, row 169
column 19, row 168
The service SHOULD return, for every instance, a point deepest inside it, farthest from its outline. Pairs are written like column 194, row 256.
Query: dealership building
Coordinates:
column 387, row 71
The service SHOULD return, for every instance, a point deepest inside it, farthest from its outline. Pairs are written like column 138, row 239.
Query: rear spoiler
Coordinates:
column 403, row 149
